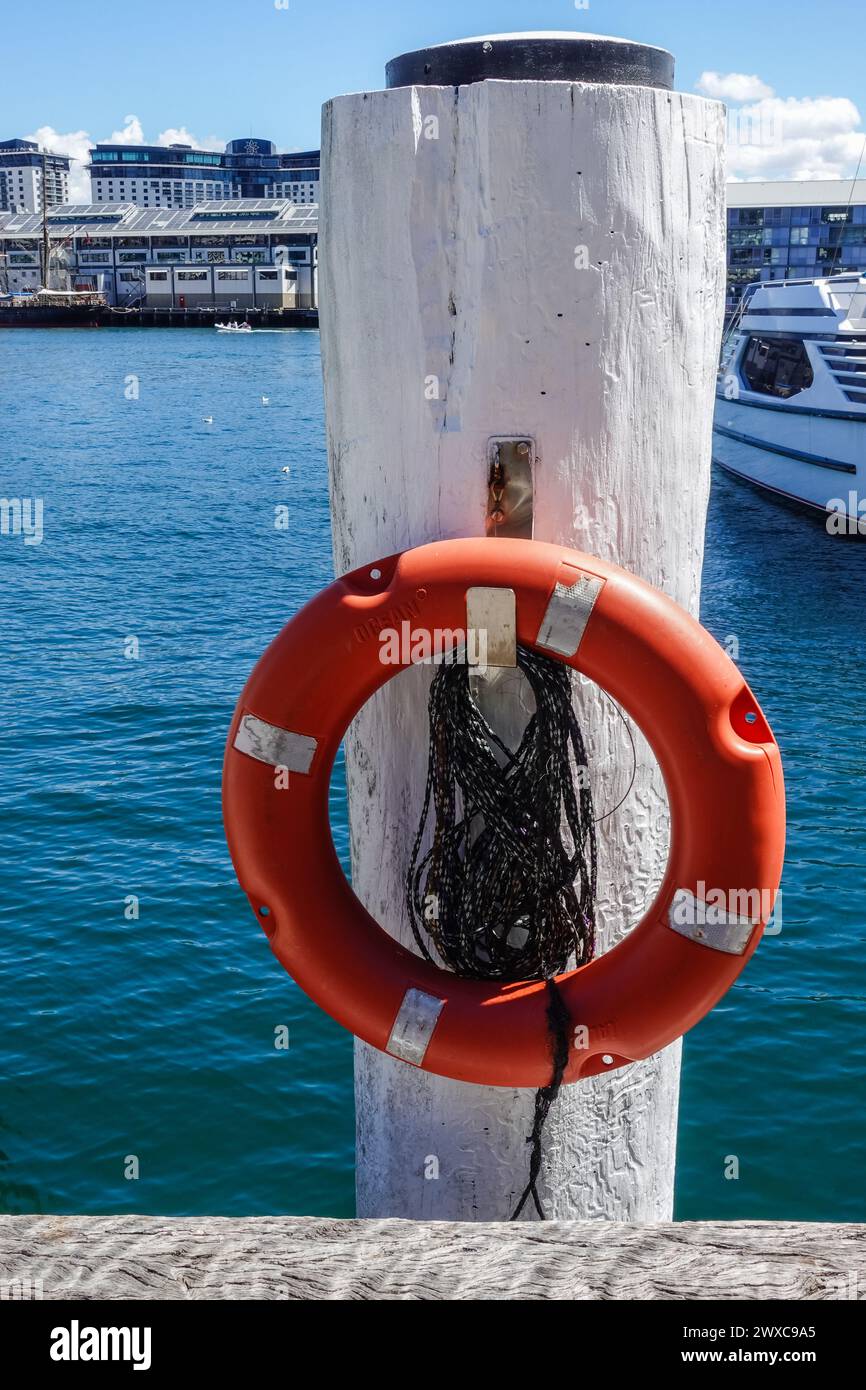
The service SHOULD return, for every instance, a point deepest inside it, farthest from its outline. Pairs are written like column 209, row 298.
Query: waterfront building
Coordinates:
column 178, row 176
column 231, row 286
column 21, row 177
column 776, row 230
column 122, row 251
column 794, row 231
column 259, row 171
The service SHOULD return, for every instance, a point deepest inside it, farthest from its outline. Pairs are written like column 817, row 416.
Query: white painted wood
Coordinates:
column 518, row 258
column 291, row 1258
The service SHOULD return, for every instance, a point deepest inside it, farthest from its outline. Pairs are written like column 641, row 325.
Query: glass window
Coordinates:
column 777, row 366
column 837, row 214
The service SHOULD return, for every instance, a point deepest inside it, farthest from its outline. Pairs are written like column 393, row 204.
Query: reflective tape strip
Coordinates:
column 413, row 1026
column 707, row 925
column 267, row 743
column 568, row 613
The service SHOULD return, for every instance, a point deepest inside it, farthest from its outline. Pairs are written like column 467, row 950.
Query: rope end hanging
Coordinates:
column 559, row 1027
column 506, row 889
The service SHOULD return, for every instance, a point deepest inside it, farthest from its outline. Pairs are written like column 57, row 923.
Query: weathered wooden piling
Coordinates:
column 522, row 243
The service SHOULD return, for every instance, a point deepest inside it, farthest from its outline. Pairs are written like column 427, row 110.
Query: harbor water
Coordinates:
column 141, row 1065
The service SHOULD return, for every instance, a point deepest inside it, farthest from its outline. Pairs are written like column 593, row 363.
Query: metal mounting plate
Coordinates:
column 493, row 614
column 510, row 461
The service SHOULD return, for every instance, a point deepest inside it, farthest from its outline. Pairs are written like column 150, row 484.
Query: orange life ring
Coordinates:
column 719, row 760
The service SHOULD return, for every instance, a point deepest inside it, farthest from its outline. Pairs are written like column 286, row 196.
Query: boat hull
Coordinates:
column 813, row 457
column 48, row 316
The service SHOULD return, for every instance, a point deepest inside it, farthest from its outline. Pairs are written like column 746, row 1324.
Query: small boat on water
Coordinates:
column 233, row 327
column 791, row 395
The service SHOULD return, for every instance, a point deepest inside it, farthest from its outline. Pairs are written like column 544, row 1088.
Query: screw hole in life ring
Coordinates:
column 747, row 720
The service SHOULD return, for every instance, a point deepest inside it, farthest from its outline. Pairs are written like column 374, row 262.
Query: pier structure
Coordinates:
column 242, row 253
column 290, row 1258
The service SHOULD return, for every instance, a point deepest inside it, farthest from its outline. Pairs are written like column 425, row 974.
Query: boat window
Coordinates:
column 777, row 366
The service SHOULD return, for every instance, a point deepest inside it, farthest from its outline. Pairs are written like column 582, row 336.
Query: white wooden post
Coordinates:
column 540, row 258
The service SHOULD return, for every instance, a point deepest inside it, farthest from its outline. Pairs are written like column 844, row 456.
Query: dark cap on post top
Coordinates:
column 566, row 57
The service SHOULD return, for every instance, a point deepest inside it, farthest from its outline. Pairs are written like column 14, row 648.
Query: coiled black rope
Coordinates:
column 506, row 890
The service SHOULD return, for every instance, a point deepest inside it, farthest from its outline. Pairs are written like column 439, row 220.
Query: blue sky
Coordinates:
column 223, row 70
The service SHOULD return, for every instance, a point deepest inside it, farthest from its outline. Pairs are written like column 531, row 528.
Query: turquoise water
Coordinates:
column 154, row 1036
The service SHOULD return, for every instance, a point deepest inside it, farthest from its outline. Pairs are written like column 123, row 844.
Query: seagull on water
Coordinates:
column 207, row 419
column 266, row 400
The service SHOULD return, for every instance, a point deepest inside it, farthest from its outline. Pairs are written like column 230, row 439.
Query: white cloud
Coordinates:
column 179, row 135
column 795, row 138
column 773, row 137
column 131, row 134
column 77, row 144
column 733, row 86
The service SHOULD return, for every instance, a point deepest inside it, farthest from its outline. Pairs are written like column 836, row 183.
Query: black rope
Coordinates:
column 506, row 890
column 558, row 1025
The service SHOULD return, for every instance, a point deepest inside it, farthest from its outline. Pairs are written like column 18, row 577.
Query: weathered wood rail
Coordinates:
column 303, row 1258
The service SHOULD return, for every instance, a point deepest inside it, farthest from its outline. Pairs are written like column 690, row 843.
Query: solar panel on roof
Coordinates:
column 233, row 217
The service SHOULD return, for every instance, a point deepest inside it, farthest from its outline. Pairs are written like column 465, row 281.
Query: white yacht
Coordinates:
column 791, row 395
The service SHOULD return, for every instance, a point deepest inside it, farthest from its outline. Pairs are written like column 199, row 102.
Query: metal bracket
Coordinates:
column 492, row 615
column 509, row 482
